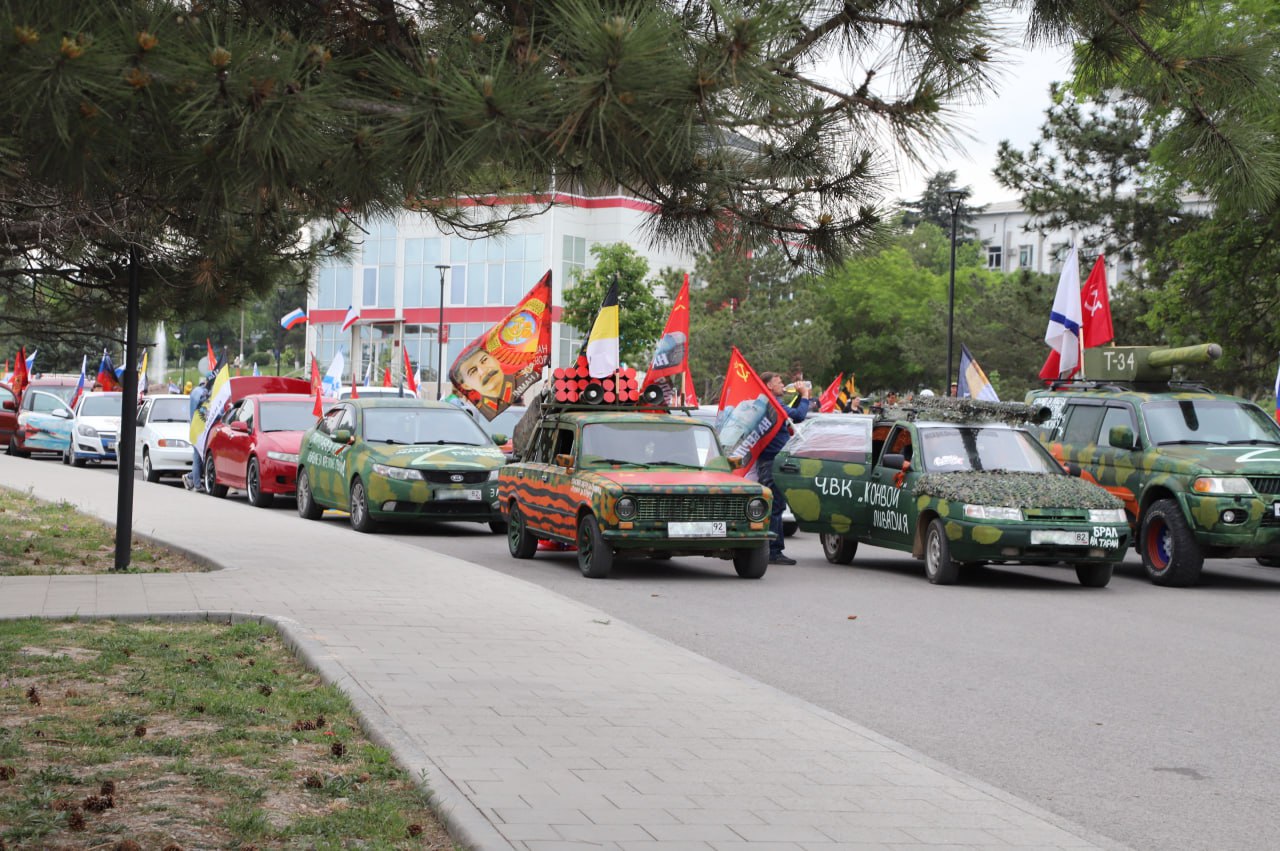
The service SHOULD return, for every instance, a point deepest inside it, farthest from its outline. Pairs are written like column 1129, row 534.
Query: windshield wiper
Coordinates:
column 1253, row 441
column 1190, row 443
column 616, row 461
column 675, row 464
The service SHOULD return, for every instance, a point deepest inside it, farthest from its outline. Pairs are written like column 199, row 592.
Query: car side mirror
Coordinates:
column 1122, row 437
column 499, row 439
column 61, row 413
column 10, row 405
column 564, row 460
column 240, row 426
column 895, row 460
column 342, row 435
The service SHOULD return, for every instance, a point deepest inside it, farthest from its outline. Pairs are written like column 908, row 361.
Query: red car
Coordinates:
column 8, row 414
column 254, row 446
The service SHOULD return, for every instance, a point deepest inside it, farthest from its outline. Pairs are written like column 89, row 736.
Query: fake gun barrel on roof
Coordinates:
column 1144, row 363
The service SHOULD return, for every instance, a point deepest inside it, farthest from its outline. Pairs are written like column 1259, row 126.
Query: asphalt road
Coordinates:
column 1146, row 714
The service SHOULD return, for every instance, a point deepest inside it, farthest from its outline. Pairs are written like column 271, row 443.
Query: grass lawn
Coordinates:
column 45, row 538
column 170, row 736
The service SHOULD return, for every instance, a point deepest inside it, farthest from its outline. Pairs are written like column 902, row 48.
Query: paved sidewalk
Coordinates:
column 537, row 722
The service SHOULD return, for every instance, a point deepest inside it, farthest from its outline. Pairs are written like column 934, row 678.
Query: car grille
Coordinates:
column 681, row 507
column 1266, row 484
column 1078, row 514
column 446, row 477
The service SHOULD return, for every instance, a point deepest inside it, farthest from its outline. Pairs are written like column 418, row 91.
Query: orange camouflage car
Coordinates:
column 632, row 483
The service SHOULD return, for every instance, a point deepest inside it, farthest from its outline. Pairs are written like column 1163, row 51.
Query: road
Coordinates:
column 1145, row 714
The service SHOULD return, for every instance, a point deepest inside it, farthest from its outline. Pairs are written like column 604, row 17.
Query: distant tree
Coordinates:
column 934, row 206
column 641, row 314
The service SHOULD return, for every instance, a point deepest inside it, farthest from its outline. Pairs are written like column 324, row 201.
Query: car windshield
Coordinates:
column 175, row 410
column 1208, row 421
column 65, row 392
column 422, row 425
column 682, row 443
column 101, row 406
column 287, row 416
column 835, row 437
column 965, row 448
column 505, row 422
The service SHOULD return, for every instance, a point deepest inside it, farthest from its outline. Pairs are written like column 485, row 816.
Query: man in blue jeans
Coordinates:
column 195, row 479
column 764, row 465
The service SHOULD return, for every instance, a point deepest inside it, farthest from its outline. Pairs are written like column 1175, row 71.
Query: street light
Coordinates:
column 442, row 267
column 955, row 199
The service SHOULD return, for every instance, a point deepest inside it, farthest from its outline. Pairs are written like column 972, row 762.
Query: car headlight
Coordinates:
column 86, row 430
column 1222, row 484
column 493, row 474
column 626, row 508
column 992, row 512
column 286, row 457
column 172, row 443
column 1106, row 515
column 757, row 508
column 402, row 473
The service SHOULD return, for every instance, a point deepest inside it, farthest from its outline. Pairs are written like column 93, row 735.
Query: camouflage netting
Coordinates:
column 946, row 409
column 1015, row 490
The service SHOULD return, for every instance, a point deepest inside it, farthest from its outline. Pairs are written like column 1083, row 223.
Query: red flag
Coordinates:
column 1095, row 319
column 1095, row 326
column 496, row 368
column 754, row 415
column 827, row 401
column 670, row 367
column 317, row 386
column 355, row 394
column 20, row 377
column 386, row 376
column 213, row 359
column 410, row 374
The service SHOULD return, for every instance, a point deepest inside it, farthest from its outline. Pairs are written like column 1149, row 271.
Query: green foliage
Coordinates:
column 641, row 315
column 755, row 300
column 1015, row 490
column 934, row 206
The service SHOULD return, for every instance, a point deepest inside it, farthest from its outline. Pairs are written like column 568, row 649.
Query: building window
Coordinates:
column 495, row 271
column 1026, row 256
column 329, row 341
column 995, row 257
column 575, row 260
column 1059, row 254
column 570, row 344
column 421, row 277
column 378, row 266
column 333, row 287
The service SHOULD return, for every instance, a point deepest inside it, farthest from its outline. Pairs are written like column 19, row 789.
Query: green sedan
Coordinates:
column 392, row 459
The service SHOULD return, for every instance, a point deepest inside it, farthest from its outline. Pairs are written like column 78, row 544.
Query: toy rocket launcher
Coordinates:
column 575, row 384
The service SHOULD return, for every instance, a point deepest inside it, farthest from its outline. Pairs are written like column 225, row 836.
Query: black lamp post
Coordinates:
column 955, row 199
column 443, row 267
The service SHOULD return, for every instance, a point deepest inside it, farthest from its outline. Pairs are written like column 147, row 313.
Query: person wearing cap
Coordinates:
column 194, row 480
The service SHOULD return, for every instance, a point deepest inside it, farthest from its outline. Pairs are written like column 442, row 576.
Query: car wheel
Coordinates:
column 1095, row 574
column 752, row 563
column 595, row 557
column 789, row 529
column 359, row 508
column 1268, row 561
column 211, row 479
column 307, row 507
column 66, row 456
column 148, row 470
column 76, row 462
column 837, row 548
column 253, row 485
column 938, row 566
column 1170, row 552
column 15, row 451
column 521, row 543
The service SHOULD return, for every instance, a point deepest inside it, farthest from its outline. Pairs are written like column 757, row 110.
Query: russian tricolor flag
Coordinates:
column 84, row 363
column 292, row 318
column 351, row 317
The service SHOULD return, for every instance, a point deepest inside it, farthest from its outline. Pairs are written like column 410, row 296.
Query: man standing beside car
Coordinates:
column 195, row 479
column 764, row 465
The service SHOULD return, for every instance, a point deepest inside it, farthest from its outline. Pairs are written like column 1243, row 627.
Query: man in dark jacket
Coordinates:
column 764, row 465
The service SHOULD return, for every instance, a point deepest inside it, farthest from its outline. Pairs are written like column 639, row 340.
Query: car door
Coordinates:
column 234, row 457
column 140, row 438
column 888, row 514
column 49, row 420
column 331, row 485
column 542, row 507
column 1114, row 465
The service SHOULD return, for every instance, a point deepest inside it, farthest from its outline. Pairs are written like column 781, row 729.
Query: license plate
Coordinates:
column 460, row 495
column 697, row 529
column 1275, row 508
column 1060, row 538
column 109, row 445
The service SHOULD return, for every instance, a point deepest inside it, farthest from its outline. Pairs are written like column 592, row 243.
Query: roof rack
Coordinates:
column 950, row 409
column 1129, row 386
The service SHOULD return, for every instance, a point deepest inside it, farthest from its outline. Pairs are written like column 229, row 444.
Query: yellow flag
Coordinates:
column 602, row 343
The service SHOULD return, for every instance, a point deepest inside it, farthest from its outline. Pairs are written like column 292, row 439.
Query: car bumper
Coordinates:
column 398, row 499
column 1254, row 528
column 101, row 448
column 738, row 534
column 278, row 477
column 165, row 460
column 1058, row 542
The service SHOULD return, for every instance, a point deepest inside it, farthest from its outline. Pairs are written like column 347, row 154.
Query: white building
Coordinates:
column 408, row 279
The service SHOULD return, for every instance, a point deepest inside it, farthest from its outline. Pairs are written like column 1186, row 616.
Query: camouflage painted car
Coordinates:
column 631, row 483
column 1199, row 472
column 954, row 482
column 398, row 459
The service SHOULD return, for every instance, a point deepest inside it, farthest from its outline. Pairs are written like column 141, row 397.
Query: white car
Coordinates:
column 379, row 391
column 95, row 428
column 162, row 446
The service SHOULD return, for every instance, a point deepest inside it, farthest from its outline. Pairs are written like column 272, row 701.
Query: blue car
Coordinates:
column 44, row 420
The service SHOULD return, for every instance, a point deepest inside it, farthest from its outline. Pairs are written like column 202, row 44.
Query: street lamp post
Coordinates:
column 955, row 199
column 442, row 268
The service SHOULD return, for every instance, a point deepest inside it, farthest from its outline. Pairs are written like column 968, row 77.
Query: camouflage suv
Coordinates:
column 636, row 483
column 1199, row 472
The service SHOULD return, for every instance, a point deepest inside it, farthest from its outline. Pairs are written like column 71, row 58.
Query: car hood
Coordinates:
column 662, row 479
column 101, row 423
column 170, row 431
column 281, row 441
column 1014, row 490
column 432, row 457
column 1239, row 460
